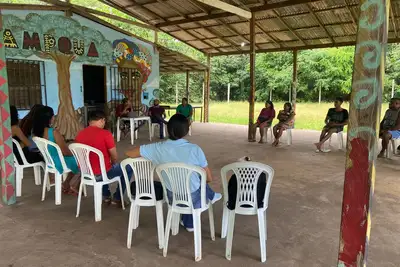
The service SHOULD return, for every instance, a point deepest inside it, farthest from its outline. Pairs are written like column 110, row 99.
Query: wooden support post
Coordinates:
column 252, row 74
column 187, row 85
column 294, row 80
column 176, row 93
column 7, row 174
column 229, row 92
column 206, row 99
column 365, row 107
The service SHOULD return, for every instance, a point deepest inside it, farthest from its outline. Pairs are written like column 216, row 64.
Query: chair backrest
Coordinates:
column 82, row 154
column 44, row 145
column 21, row 154
column 247, row 176
column 175, row 178
column 143, row 173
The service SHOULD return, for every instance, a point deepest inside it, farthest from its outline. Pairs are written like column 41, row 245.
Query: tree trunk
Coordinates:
column 66, row 122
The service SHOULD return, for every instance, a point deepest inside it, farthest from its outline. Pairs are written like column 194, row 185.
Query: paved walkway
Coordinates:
column 303, row 225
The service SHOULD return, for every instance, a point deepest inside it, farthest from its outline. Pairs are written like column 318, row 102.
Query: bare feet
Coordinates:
column 261, row 142
column 275, row 143
column 382, row 154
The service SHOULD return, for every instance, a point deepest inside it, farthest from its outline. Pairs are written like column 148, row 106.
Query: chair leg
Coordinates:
column 211, row 218
column 224, row 227
column 160, row 223
column 261, row 229
column 118, row 131
column 121, row 194
column 229, row 238
column 150, row 132
column 36, row 171
column 175, row 223
column 19, row 175
column 266, row 225
column 84, row 190
column 45, row 182
column 197, row 235
column 167, row 230
column 97, row 202
column 58, row 188
column 132, row 133
column 130, row 226
column 78, row 204
column 136, row 216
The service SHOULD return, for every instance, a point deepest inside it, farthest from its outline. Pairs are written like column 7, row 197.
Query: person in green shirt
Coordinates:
column 185, row 109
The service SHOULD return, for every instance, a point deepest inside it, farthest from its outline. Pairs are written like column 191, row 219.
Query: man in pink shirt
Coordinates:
column 265, row 119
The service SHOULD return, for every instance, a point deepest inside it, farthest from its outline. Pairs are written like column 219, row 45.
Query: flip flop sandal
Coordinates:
column 107, row 200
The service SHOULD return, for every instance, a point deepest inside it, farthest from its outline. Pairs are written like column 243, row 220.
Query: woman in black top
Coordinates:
column 20, row 137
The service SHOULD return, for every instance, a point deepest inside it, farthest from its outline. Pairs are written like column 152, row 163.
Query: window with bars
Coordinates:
column 25, row 82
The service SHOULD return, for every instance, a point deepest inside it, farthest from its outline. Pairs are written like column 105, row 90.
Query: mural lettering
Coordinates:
column 64, row 45
column 9, row 40
column 49, row 42
column 79, row 47
column 31, row 42
column 92, row 51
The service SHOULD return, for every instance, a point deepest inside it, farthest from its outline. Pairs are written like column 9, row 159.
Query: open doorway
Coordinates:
column 94, row 85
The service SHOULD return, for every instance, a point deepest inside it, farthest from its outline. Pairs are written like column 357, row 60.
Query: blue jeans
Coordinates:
column 187, row 219
column 116, row 170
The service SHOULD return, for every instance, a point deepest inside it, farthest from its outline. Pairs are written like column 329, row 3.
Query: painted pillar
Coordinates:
column 365, row 107
column 6, row 151
column 206, row 100
column 252, row 74
column 187, row 85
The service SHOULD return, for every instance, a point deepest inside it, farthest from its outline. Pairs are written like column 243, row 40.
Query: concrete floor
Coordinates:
column 303, row 222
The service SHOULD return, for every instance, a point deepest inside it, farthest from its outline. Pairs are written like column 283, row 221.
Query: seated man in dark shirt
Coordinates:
column 157, row 115
column 335, row 121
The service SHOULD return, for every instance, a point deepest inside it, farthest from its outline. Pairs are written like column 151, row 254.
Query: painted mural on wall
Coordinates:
column 53, row 36
column 41, row 34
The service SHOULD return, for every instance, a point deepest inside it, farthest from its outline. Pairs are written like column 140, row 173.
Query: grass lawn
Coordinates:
column 309, row 116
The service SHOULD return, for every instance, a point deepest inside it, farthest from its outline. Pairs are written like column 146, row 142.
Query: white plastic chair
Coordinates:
column 156, row 125
column 145, row 196
column 81, row 153
column 266, row 131
column 175, row 177
column 247, row 175
column 288, row 136
column 340, row 140
column 134, row 122
column 43, row 146
column 19, row 169
column 391, row 148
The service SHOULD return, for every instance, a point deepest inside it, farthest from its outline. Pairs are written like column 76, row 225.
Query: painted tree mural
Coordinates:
column 63, row 40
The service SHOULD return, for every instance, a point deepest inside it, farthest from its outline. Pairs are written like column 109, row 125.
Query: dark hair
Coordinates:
column 14, row 115
column 339, row 98
column 42, row 119
column 27, row 122
column 270, row 103
column 125, row 100
column 97, row 115
column 289, row 105
column 185, row 99
column 178, row 127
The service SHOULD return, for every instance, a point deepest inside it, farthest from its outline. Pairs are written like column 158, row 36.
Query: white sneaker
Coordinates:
column 217, row 197
column 190, row 230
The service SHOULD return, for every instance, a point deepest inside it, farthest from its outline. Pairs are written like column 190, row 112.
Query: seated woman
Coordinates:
column 26, row 125
column 185, row 109
column 285, row 118
column 177, row 149
column 335, row 120
column 19, row 136
column 43, row 120
column 265, row 119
